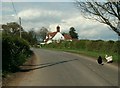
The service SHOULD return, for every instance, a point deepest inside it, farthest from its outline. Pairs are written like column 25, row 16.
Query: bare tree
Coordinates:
column 42, row 33
column 107, row 12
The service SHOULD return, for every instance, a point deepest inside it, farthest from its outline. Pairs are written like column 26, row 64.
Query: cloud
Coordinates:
column 86, row 28
column 31, row 14
column 6, row 9
column 78, row 22
column 49, row 15
column 52, row 0
column 38, row 0
column 89, row 33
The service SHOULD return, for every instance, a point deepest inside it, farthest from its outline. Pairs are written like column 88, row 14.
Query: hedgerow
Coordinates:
column 15, row 52
column 98, row 46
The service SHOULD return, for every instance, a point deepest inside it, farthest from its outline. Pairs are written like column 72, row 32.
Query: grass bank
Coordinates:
column 92, row 48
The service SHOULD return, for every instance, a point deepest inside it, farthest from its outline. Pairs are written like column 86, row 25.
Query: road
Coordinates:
column 57, row 68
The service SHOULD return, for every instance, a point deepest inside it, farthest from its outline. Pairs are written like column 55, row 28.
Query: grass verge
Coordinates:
column 88, row 53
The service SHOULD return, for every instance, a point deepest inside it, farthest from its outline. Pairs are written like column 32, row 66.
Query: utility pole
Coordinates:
column 20, row 26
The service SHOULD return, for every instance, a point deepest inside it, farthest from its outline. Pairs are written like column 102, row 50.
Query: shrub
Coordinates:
column 14, row 53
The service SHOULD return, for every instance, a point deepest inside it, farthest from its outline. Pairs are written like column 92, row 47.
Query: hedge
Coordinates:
column 14, row 53
column 98, row 46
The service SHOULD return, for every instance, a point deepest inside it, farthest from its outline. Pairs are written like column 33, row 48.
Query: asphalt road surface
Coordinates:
column 57, row 68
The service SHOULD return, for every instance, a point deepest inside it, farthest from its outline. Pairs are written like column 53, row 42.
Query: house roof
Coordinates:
column 66, row 36
column 52, row 34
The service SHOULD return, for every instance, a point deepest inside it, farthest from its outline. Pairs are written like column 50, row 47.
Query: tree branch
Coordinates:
column 104, row 12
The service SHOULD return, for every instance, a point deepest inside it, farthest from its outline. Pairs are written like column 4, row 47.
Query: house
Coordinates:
column 57, row 36
column 67, row 37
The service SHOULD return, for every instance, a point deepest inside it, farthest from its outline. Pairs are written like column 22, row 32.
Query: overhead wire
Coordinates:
column 14, row 9
column 19, row 18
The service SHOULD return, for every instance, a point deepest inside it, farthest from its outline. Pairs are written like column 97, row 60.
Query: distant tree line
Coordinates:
column 13, row 29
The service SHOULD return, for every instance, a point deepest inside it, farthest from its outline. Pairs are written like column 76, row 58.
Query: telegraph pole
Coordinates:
column 20, row 26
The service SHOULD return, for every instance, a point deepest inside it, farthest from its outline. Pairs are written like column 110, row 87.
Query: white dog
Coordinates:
column 109, row 59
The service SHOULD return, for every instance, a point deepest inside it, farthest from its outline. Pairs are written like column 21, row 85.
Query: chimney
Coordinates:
column 58, row 28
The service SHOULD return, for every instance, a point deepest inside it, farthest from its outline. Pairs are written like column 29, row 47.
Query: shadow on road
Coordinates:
column 35, row 64
column 40, row 66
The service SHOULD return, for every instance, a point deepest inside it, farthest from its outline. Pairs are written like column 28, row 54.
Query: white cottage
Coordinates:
column 56, row 36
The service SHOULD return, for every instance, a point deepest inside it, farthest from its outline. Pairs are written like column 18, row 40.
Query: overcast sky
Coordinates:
column 50, row 14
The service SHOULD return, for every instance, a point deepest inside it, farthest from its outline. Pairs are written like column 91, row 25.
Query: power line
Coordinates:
column 17, row 16
column 14, row 8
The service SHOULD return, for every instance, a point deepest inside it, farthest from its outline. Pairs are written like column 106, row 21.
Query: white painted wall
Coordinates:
column 58, row 36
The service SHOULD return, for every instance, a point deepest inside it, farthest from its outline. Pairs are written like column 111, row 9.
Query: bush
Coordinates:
column 14, row 53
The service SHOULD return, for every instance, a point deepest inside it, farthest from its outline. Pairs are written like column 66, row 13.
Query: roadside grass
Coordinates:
column 89, row 53
column 92, row 48
column 94, row 54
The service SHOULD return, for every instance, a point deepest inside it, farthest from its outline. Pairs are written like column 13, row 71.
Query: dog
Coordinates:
column 109, row 59
column 99, row 60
